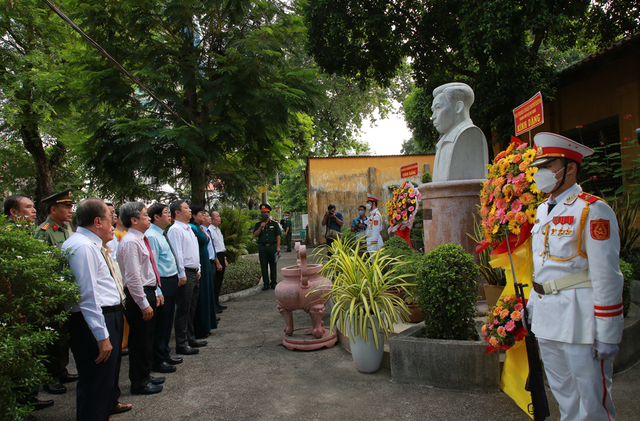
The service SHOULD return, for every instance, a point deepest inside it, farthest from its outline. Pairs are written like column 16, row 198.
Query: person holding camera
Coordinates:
column 333, row 221
column 359, row 224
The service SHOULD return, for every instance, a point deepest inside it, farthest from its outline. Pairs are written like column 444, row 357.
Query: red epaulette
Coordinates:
column 589, row 198
column 45, row 226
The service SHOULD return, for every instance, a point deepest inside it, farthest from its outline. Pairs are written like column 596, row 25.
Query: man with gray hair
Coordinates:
column 141, row 281
column 96, row 323
column 461, row 151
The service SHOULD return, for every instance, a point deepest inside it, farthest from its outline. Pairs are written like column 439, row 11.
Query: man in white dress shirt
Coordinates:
column 141, row 281
column 185, row 246
column 220, row 260
column 96, row 320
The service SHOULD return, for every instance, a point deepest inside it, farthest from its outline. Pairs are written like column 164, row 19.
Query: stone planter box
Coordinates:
column 444, row 364
column 629, row 354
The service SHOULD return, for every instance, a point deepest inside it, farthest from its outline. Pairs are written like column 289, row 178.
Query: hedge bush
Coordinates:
column 34, row 282
column 447, row 291
column 627, row 274
column 241, row 275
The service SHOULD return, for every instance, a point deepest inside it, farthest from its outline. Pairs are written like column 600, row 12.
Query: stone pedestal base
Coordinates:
column 303, row 339
column 448, row 208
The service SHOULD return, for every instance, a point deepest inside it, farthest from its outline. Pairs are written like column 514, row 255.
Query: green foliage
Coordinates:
column 396, row 242
column 493, row 276
column 627, row 274
column 361, row 289
column 426, row 177
column 498, row 47
column 241, row 275
column 626, row 214
column 409, row 146
column 236, row 230
column 634, row 260
column 417, row 112
column 348, row 237
column 291, row 193
column 448, row 290
column 34, row 282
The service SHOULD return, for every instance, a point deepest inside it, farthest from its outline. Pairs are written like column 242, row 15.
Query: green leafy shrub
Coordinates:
column 241, row 275
column 426, row 177
column 634, row 260
column 34, row 282
column 627, row 274
column 236, row 227
column 396, row 242
column 252, row 246
column 447, row 291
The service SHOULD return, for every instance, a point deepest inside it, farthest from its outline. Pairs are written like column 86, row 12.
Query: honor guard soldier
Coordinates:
column 268, row 234
column 57, row 228
column 577, row 296
column 374, row 225
column 286, row 227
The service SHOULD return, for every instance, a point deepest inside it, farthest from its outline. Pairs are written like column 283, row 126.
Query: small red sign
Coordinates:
column 529, row 115
column 410, row 170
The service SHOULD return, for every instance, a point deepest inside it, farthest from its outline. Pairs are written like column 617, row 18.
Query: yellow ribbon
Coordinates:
column 516, row 366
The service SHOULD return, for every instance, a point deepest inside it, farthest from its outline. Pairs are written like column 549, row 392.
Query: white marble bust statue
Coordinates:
column 461, row 151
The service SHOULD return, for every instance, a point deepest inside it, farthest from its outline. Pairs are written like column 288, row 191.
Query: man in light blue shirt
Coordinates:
column 168, row 271
column 96, row 320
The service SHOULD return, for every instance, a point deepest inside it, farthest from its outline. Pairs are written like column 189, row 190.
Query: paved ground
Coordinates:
column 246, row 374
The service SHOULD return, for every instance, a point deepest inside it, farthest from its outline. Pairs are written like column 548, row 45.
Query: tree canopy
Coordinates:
column 501, row 48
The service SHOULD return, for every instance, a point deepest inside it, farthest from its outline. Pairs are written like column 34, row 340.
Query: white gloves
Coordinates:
column 602, row 351
column 530, row 315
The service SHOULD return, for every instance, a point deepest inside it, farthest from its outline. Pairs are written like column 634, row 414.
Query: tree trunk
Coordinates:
column 198, row 183
column 45, row 166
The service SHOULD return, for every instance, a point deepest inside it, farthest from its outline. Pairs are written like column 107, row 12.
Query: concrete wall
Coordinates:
column 345, row 182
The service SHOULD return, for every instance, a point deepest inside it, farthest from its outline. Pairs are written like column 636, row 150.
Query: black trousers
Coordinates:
column 267, row 257
column 218, row 276
column 140, row 339
column 94, row 395
column 186, row 303
column 164, row 319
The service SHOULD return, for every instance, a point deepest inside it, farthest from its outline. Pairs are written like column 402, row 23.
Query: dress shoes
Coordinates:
column 197, row 344
column 69, row 378
column 217, row 319
column 273, row 286
column 39, row 404
column 124, row 352
column 221, row 307
column 156, row 380
column 187, row 350
column 55, row 388
column 149, row 389
column 174, row 361
column 265, row 287
column 120, row 408
column 163, row 367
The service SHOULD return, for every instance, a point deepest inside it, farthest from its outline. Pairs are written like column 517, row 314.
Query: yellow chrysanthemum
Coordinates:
column 529, row 155
column 404, row 218
column 510, row 148
column 496, row 228
column 529, row 173
column 493, row 210
column 531, row 214
column 504, row 168
column 534, row 189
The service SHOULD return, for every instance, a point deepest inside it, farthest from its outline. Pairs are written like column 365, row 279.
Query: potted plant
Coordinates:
column 495, row 277
column 446, row 352
column 363, row 306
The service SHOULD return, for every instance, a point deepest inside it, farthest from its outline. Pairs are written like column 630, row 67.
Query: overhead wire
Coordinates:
column 113, row 61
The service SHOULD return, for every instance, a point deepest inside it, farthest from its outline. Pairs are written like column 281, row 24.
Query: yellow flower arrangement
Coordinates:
column 509, row 198
column 402, row 208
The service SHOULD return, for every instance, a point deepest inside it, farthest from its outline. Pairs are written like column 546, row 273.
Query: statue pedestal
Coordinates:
column 448, row 208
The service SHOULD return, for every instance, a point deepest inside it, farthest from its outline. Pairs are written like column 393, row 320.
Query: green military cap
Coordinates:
column 62, row 197
column 265, row 207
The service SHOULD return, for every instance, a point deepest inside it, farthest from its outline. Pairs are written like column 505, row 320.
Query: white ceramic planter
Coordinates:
column 367, row 358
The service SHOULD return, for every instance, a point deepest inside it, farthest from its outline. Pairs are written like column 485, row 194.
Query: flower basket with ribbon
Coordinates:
column 503, row 327
column 402, row 209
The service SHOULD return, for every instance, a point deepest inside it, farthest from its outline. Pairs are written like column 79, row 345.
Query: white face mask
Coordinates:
column 368, row 206
column 546, row 180
column 360, row 212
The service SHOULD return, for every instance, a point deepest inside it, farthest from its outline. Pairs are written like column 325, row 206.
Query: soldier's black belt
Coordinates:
column 111, row 309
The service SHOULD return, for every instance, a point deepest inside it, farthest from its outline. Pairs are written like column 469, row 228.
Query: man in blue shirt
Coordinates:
column 168, row 271
column 333, row 221
column 359, row 224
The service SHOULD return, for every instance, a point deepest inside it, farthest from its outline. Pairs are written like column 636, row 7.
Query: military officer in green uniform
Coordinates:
column 57, row 228
column 286, row 227
column 268, row 234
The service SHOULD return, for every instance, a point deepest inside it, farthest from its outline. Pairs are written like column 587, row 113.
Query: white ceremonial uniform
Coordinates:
column 374, row 227
column 567, row 323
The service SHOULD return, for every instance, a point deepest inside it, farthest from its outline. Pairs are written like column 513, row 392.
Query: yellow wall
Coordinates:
column 345, row 182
